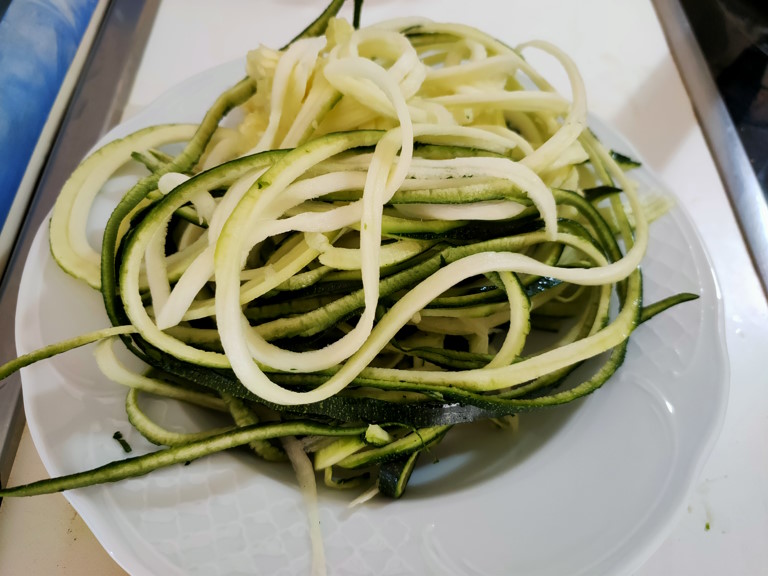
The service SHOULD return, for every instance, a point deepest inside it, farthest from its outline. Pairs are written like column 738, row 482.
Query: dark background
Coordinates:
column 733, row 36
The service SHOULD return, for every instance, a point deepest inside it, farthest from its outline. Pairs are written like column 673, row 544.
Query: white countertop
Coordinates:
column 632, row 82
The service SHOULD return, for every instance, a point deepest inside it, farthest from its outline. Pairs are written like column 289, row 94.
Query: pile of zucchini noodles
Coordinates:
column 356, row 267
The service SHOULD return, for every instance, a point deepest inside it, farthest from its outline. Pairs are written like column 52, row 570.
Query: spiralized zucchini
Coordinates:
column 365, row 255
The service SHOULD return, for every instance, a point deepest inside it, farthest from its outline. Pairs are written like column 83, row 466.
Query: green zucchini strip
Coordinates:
column 156, row 433
column 141, row 465
column 116, row 371
column 64, row 346
column 69, row 245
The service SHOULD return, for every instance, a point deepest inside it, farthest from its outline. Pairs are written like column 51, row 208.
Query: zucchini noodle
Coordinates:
column 358, row 265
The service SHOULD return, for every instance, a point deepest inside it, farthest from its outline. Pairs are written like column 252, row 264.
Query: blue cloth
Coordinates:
column 38, row 40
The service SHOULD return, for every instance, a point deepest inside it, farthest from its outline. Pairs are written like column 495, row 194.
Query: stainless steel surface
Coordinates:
column 732, row 162
column 96, row 105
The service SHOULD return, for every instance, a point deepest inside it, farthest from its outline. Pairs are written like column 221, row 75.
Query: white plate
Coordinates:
column 590, row 488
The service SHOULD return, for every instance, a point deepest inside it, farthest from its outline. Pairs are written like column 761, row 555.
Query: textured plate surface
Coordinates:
column 590, row 488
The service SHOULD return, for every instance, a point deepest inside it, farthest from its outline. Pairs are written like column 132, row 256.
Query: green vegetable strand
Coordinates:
column 64, row 346
column 141, row 465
